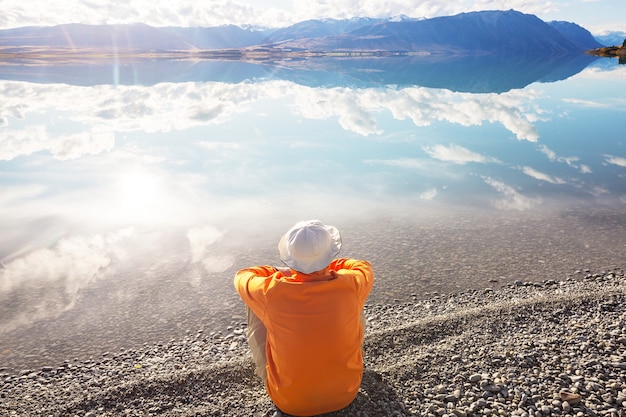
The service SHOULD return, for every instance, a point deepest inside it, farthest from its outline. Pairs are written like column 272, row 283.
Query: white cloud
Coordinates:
column 356, row 108
column 514, row 109
column 201, row 239
column 213, row 13
column 350, row 106
column 511, row 198
column 156, row 13
column 219, row 145
column 615, row 160
column 587, row 103
column 11, row 194
column 410, row 163
column 569, row 160
column 618, row 72
column 217, row 264
column 456, row 154
column 428, row 8
column 36, row 138
column 63, row 269
column 165, row 107
column 278, row 13
column 110, row 109
column 429, row 195
column 531, row 172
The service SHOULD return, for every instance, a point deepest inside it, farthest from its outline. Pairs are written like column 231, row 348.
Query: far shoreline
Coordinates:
column 47, row 55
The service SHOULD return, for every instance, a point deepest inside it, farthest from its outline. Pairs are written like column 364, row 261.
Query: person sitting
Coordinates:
column 306, row 322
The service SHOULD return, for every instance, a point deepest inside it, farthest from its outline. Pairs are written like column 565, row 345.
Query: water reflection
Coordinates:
column 472, row 73
column 126, row 206
column 92, row 116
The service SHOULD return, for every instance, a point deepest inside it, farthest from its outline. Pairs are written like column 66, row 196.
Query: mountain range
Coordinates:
column 611, row 38
column 466, row 33
column 478, row 52
column 476, row 32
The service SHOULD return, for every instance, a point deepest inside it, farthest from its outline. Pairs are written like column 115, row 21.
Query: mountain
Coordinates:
column 611, row 38
column 125, row 37
column 327, row 27
column 134, row 37
column 579, row 36
column 466, row 33
column 475, row 32
column 318, row 29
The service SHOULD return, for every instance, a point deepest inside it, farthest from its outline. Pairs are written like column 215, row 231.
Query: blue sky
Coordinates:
column 596, row 15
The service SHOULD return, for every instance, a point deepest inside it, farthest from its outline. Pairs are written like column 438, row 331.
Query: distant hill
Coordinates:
column 319, row 29
column 466, row 33
column 579, row 36
column 135, row 37
column 611, row 38
column 475, row 32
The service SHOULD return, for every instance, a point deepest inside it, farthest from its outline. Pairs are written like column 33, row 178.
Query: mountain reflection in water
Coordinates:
column 472, row 73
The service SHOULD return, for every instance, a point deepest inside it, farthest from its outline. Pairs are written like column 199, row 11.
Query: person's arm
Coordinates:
column 251, row 284
column 361, row 271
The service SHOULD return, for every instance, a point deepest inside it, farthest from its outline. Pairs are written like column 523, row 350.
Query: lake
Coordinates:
column 132, row 191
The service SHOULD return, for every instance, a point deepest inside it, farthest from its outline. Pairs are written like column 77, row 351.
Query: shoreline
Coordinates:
column 414, row 259
column 520, row 350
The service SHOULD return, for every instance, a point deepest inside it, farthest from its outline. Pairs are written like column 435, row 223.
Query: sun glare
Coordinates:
column 139, row 195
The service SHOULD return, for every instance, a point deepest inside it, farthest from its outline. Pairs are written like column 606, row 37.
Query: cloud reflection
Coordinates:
column 510, row 199
column 46, row 281
column 102, row 111
column 429, row 194
column 352, row 107
column 571, row 160
column 201, row 239
column 356, row 108
column 34, row 139
column 531, row 172
column 456, row 154
column 615, row 160
column 598, row 73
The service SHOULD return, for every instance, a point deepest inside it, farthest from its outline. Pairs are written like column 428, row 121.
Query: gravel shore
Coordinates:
column 549, row 348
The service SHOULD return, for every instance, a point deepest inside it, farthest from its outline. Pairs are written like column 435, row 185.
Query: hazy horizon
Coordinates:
column 599, row 16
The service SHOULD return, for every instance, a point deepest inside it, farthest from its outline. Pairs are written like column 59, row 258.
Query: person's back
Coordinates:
column 314, row 323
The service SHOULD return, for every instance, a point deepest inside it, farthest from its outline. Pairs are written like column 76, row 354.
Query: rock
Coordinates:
column 570, row 397
column 566, row 406
column 475, row 378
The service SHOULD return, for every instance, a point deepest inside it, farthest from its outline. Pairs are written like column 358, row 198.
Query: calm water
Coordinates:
column 131, row 192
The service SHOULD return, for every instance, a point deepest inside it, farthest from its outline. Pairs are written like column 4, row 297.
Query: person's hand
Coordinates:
column 286, row 271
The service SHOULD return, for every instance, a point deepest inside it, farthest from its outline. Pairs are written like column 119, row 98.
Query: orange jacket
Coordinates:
column 314, row 333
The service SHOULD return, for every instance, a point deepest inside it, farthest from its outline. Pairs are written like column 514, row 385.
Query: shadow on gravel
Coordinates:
column 222, row 390
column 375, row 398
column 226, row 389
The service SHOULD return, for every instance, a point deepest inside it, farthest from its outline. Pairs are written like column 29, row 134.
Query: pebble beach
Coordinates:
column 540, row 348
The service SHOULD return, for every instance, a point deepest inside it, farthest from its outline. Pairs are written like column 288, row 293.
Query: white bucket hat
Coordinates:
column 309, row 246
